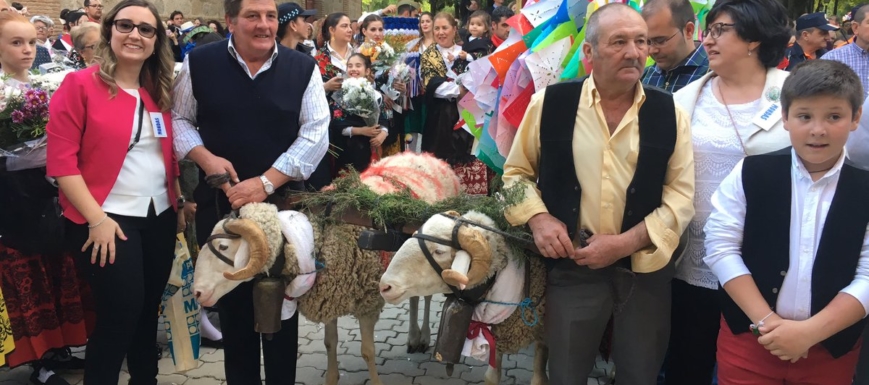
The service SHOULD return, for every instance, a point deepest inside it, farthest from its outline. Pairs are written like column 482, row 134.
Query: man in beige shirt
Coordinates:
column 620, row 155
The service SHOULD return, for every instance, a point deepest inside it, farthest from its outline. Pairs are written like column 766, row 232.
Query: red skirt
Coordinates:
column 48, row 301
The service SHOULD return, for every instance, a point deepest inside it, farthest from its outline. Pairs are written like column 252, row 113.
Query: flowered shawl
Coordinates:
column 327, row 71
column 434, row 70
column 432, row 66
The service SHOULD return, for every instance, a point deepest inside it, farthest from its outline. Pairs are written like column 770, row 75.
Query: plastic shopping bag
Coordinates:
column 181, row 310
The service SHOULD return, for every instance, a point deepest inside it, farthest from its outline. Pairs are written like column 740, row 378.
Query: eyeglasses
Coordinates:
column 715, row 30
column 97, row 6
column 659, row 41
column 126, row 26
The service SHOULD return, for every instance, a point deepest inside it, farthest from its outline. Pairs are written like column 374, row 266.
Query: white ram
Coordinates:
column 489, row 255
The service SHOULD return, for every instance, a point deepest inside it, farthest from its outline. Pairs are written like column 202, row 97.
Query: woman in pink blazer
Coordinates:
column 110, row 149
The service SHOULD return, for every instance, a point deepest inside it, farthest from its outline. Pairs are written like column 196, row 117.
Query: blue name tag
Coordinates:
column 158, row 124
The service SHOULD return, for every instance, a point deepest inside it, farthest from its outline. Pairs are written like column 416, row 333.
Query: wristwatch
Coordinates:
column 267, row 185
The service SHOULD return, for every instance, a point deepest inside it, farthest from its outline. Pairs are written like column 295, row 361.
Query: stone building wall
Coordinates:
column 209, row 9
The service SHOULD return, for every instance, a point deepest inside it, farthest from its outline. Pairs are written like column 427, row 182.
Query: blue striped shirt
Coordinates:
column 692, row 68
column 855, row 57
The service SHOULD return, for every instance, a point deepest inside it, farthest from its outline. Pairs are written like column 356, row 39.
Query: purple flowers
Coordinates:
column 18, row 117
column 24, row 115
column 33, row 108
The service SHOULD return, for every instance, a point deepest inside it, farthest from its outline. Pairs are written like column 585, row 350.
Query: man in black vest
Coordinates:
column 262, row 117
column 608, row 156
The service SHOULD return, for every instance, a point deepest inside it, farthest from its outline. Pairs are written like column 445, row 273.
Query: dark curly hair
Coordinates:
column 764, row 21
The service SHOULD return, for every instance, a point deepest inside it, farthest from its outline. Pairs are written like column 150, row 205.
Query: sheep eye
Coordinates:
column 439, row 252
column 223, row 247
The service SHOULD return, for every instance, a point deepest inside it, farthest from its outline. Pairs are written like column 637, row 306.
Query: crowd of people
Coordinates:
column 723, row 187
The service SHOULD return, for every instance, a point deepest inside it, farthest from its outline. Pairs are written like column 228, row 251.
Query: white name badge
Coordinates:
column 768, row 116
column 158, row 124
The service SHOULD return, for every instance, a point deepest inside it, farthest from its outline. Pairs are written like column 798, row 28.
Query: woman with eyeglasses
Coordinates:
column 85, row 39
column 44, row 30
column 735, row 111
column 110, row 149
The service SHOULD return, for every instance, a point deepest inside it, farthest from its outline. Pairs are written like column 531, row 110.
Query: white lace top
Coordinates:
column 716, row 151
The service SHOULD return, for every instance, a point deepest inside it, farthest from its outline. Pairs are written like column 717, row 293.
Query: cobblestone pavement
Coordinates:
column 395, row 366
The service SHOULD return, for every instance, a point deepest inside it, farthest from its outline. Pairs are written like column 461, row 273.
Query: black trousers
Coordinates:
column 126, row 296
column 579, row 304
column 241, row 344
column 695, row 322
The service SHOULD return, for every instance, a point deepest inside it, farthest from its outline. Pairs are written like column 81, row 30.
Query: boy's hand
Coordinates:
column 786, row 339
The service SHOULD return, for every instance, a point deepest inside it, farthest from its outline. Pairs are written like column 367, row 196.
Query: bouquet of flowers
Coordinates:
column 401, row 72
column 382, row 56
column 358, row 97
column 23, row 118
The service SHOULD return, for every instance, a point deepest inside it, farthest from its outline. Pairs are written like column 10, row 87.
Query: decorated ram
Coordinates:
column 348, row 283
column 507, row 316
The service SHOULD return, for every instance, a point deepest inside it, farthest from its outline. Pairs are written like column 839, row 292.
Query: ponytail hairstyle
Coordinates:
column 331, row 21
column 452, row 20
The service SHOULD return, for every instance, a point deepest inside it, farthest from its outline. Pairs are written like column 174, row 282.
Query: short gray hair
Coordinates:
column 592, row 26
column 44, row 19
column 77, row 35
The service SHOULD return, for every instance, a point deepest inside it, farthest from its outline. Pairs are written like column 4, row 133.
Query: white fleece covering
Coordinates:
column 298, row 232
column 507, row 288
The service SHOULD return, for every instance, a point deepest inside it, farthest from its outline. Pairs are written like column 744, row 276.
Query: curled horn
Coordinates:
column 473, row 241
column 259, row 248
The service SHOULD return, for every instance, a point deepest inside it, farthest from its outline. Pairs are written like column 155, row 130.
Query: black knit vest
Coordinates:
column 766, row 180
column 249, row 122
column 560, row 189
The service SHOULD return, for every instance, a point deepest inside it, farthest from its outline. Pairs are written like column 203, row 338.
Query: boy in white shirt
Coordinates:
column 787, row 238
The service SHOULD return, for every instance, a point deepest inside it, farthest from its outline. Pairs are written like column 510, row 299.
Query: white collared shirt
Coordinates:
column 137, row 184
column 810, row 203
column 337, row 59
column 300, row 159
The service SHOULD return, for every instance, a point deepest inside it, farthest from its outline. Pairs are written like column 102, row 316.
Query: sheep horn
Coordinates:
column 473, row 241
column 259, row 248
column 453, row 213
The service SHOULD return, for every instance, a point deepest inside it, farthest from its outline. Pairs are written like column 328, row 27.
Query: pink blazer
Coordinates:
column 88, row 134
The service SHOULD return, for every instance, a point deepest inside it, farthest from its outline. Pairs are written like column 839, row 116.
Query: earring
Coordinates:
column 749, row 52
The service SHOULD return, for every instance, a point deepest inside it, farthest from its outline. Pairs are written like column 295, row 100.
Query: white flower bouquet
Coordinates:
column 381, row 54
column 358, row 97
column 400, row 72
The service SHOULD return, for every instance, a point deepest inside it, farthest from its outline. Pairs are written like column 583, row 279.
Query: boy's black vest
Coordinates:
column 249, row 122
column 766, row 180
column 561, row 191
